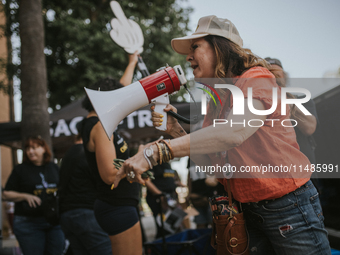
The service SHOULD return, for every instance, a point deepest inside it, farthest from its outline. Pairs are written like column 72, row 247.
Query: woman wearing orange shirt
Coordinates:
column 282, row 208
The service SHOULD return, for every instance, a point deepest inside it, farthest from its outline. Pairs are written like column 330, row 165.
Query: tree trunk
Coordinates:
column 35, row 117
column 8, row 34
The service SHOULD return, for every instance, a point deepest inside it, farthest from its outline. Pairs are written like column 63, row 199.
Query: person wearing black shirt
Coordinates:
column 115, row 207
column 164, row 183
column 77, row 195
column 201, row 187
column 29, row 185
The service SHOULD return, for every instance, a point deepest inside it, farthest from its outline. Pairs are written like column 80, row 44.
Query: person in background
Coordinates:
column 306, row 124
column 282, row 213
column 201, row 187
column 10, row 216
column 161, row 190
column 115, row 208
column 305, row 129
column 28, row 186
column 77, row 194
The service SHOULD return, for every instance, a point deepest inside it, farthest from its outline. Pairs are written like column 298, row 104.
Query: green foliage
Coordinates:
column 79, row 49
column 7, row 68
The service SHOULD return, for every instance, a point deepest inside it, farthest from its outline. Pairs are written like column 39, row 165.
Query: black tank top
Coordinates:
column 126, row 193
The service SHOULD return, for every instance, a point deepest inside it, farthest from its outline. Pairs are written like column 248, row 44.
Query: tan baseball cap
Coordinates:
column 209, row 25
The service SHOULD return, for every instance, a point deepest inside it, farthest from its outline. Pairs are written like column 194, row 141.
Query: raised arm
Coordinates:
column 128, row 73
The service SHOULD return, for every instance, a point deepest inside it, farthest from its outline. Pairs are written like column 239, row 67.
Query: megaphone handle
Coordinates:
column 142, row 67
column 160, row 103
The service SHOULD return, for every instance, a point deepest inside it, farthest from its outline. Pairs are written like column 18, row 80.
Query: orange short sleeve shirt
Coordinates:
column 273, row 147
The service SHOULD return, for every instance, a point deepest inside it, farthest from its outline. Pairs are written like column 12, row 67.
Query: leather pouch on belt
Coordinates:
column 229, row 235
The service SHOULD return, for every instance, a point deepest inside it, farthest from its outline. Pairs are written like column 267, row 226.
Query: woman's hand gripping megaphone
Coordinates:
column 172, row 127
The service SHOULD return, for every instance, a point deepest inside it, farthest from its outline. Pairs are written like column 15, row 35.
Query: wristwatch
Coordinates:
column 148, row 152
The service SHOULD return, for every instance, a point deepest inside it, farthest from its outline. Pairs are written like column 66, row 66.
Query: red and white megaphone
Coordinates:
column 113, row 106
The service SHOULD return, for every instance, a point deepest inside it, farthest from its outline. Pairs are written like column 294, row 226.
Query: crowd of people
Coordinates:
column 99, row 202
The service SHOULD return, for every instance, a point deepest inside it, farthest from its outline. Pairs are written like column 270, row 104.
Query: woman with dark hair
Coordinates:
column 28, row 186
column 282, row 209
column 115, row 209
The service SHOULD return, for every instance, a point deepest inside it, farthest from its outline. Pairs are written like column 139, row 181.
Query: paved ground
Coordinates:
column 9, row 246
column 149, row 227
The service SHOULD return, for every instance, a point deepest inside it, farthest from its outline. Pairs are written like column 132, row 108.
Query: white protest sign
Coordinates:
column 125, row 32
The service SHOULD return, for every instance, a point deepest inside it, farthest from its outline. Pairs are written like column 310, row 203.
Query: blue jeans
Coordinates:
column 85, row 235
column 37, row 237
column 292, row 224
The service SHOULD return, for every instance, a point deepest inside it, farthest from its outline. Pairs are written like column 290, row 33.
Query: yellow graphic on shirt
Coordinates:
column 168, row 175
column 38, row 192
column 124, row 147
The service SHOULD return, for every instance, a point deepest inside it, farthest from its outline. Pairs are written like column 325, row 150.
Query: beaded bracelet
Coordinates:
column 169, row 147
column 160, row 153
column 165, row 153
